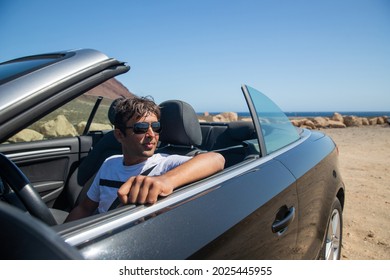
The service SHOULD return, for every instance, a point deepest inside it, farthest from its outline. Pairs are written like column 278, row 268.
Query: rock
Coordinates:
column 26, row 135
column 352, row 121
column 297, row 122
column 381, row 120
column 309, row 124
column 321, row 122
column 336, row 121
column 373, row 121
column 336, row 124
column 94, row 127
column 226, row 117
column 59, row 127
column 337, row 117
column 365, row 121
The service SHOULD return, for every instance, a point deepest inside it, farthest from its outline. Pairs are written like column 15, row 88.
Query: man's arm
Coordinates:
column 84, row 209
column 143, row 189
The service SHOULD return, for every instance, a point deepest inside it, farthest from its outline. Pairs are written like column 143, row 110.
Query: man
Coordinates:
column 137, row 128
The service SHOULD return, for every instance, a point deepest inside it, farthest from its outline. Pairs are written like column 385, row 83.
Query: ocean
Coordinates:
column 367, row 114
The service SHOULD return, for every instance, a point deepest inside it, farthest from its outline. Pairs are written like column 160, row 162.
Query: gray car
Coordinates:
column 280, row 195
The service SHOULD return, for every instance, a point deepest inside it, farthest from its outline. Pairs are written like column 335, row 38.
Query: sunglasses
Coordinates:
column 143, row 127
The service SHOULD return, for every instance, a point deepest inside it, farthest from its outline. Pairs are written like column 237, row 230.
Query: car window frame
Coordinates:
column 54, row 58
column 54, row 101
column 254, row 111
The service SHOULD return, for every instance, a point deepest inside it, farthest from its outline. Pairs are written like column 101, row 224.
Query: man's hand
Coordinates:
column 143, row 189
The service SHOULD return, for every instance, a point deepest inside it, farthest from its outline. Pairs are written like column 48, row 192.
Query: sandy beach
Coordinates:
column 365, row 168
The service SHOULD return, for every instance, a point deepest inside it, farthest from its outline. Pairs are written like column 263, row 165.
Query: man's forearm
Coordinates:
column 199, row 167
column 145, row 189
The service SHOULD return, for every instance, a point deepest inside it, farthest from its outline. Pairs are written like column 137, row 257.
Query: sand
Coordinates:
column 364, row 157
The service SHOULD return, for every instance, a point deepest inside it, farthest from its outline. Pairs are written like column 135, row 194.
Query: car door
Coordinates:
column 47, row 105
column 50, row 150
column 46, row 164
column 247, row 211
column 270, row 229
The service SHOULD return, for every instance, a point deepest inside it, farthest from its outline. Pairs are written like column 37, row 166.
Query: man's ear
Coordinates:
column 118, row 135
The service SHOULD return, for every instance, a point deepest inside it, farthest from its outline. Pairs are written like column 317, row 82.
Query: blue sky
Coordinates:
column 306, row 55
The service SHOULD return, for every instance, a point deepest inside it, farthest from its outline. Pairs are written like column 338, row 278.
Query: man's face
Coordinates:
column 138, row 147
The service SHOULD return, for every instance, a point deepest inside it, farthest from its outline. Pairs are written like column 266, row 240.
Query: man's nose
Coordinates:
column 150, row 132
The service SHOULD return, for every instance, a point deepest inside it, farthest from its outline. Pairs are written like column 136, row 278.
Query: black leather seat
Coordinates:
column 181, row 133
column 106, row 147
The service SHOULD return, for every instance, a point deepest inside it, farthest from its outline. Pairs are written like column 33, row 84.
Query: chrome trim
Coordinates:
column 36, row 153
column 86, row 234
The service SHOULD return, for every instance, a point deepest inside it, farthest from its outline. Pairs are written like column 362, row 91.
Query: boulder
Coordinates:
column 297, row 122
column 373, row 121
column 59, row 127
column 352, row 121
column 226, row 117
column 94, row 127
column 365, row 121
column 381, row 120
column 309, row 124
column 336, row 124
column 26, row 135
column 321, row 122
column 337, row 117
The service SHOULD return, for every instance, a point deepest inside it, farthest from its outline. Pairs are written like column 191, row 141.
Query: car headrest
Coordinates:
column 180, row 124
column 241, row 131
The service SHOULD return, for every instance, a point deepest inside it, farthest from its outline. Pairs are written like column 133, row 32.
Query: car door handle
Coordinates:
column 284, row 217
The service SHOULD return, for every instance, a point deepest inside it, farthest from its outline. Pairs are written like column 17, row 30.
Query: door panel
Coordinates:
column 46, row 164
column 232, row 219
column 272, row 189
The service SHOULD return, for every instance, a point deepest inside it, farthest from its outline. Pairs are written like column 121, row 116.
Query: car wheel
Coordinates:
column 331, row 248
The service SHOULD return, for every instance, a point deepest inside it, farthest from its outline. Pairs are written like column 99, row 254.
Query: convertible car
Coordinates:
column 280, row 195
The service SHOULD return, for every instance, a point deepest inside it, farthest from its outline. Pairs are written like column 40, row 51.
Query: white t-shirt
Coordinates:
column 113, row 169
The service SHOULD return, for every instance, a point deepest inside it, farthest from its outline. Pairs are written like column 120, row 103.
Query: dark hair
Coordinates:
column 136, row 107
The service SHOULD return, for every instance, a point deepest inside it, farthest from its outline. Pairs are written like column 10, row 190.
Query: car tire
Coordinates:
column 331, row 247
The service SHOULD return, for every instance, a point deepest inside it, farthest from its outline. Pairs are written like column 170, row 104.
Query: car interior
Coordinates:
column 182, row 134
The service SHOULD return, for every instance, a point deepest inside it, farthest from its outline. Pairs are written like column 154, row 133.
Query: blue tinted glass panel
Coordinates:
column 277, row 129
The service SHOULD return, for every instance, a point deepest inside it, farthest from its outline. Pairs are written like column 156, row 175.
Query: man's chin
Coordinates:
column 149, row 153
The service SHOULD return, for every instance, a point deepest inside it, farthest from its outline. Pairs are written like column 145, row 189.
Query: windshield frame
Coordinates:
column 275, row 130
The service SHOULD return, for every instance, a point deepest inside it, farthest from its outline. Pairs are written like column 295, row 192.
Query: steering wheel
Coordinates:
column 19, row 183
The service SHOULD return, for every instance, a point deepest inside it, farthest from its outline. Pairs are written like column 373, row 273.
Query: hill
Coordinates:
column 111, row 89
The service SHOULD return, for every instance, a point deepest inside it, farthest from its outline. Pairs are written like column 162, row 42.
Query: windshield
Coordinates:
column 276, row 128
